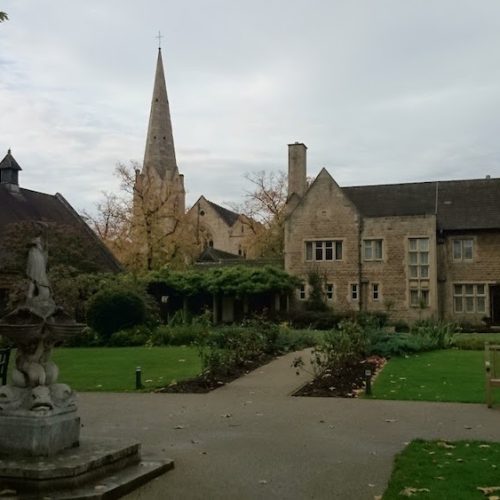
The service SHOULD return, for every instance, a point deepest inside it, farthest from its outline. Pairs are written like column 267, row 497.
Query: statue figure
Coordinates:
column 36, row 270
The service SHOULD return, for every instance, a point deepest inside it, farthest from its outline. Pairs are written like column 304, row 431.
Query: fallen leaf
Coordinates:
column 487, row 490
column 179, row 427
column 444, row 444
column 409, row 491
column 226, row 415
column 371, row 485
column 390, row 420
column 262, row 481
column 484, row 446
column 441, row 478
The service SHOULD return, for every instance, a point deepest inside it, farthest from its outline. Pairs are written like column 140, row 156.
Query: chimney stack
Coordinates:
column 297, row 169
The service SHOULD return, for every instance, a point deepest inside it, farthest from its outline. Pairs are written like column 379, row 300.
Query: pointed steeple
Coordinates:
column 9, row 170
column 160, row 151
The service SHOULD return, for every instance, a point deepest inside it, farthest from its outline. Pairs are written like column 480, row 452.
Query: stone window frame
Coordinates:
column 372, row 240
column 353, row 291
column 375, row 292
column 330, row 292
column 419, row 283
column 334, row 249
column 470, row 294
column 302, row 292
column 462, row 257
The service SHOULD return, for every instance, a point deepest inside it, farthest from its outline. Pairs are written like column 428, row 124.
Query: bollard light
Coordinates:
column 368, row 380
column 138, row 375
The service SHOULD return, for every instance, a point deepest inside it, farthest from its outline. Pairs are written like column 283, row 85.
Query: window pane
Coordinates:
column 329, row 253
column 469, row 304
column 368, row 250
column 424, row 258
column 467, row 246
column 414, row 297
column 413, row 258
column 480, row 289
column 481, row 305
column 424, row 271
column 424, row 296
column 329, row 244
column 458, row 305
column 338, row 250
column 458, row 289
column 413, row 271
column 413, row 244
column 469, row 289
column 319, row 251
column 309, row 250
column 378, row 249
column 457, row 249
column 423, row 244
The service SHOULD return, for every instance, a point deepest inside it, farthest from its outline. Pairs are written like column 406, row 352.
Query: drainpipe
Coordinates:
column 360, row 264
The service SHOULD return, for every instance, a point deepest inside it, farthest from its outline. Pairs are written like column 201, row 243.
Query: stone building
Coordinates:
column 24, row 213
column 415, row 250
column 159, row 199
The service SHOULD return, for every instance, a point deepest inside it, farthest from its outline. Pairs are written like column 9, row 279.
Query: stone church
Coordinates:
column 160, row 195
column 414, row 250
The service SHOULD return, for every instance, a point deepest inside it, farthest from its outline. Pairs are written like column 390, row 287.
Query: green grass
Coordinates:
column 475, row 340
column 113, row 369
column 448, row 375
column 447, row 470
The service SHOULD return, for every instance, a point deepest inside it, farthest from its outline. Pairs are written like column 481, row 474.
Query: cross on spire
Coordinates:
column 159, row 39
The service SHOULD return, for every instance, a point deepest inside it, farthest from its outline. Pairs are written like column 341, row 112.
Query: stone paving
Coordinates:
column 252, row 440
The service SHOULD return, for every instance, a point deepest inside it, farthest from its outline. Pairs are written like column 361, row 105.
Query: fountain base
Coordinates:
column 38, row 434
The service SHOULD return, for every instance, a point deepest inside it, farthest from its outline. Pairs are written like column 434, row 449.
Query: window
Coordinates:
column 418, row 249
column 419, row 296
column 462, row 249
column 323, row 250
column 372, row 249
column 302, row 292
column 329, row 291
column 375, row 291
column 469, row 298
column 354, row 291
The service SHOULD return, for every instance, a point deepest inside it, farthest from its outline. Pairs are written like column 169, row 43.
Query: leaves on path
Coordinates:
column 488, row 490
column 410, row 491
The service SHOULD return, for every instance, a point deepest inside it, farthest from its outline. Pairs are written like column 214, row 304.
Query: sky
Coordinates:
column 381, row 91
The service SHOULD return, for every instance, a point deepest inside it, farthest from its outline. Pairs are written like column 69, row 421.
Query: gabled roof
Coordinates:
column 228, row 216
column 9, row 162
column 459, row 205
column 214, row 255
column 25, row 205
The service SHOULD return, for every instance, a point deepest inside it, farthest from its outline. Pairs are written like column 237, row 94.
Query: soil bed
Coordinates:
column 346, row 382
column 204, row 384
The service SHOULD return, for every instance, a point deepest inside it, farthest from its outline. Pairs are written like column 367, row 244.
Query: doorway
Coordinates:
column 495, row 304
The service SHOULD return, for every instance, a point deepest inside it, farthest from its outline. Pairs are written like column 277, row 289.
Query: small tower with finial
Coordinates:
column 9, row 171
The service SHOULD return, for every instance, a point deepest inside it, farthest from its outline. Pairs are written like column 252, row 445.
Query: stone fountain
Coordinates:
column 40, row 449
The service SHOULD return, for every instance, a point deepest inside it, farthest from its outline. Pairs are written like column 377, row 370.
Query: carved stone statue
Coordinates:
column 35, row 329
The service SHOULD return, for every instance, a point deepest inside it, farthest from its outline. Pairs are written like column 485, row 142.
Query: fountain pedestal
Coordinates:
column 43, row 435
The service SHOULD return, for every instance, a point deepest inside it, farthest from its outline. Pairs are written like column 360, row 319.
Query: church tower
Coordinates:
column 159, row 194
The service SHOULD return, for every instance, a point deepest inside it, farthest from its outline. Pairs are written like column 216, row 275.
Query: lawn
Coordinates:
column 448, row 375
column 113, row 369
column 437, row 470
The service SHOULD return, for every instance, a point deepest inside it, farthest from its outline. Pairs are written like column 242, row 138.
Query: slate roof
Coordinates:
column 25, row 205
column 228, row 216
column 9, row 162
column 214, row 255
column 464, row 204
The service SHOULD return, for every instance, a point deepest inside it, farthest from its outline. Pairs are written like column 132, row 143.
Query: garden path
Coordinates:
column 251, row 440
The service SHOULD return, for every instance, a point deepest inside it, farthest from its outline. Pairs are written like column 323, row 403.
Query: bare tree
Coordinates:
column 263, row 212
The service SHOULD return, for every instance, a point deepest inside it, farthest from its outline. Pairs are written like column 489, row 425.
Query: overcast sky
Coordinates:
column 380, row 91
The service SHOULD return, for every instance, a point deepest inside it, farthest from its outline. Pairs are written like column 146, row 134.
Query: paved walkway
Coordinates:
column 251, row 440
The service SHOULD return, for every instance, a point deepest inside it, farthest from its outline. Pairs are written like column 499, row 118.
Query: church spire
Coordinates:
column 160, row 151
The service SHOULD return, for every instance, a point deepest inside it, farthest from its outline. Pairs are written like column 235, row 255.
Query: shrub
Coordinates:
column 114, row 309
column 399, row 344
column 438, row 332
column 136, row 336
column 294, row 340
column 339, row 349
column 181, row 334
column 315, row 320
column 86, row 338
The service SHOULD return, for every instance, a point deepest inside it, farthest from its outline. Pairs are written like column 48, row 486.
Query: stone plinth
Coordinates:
column 104, row 468
column 38, row 434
